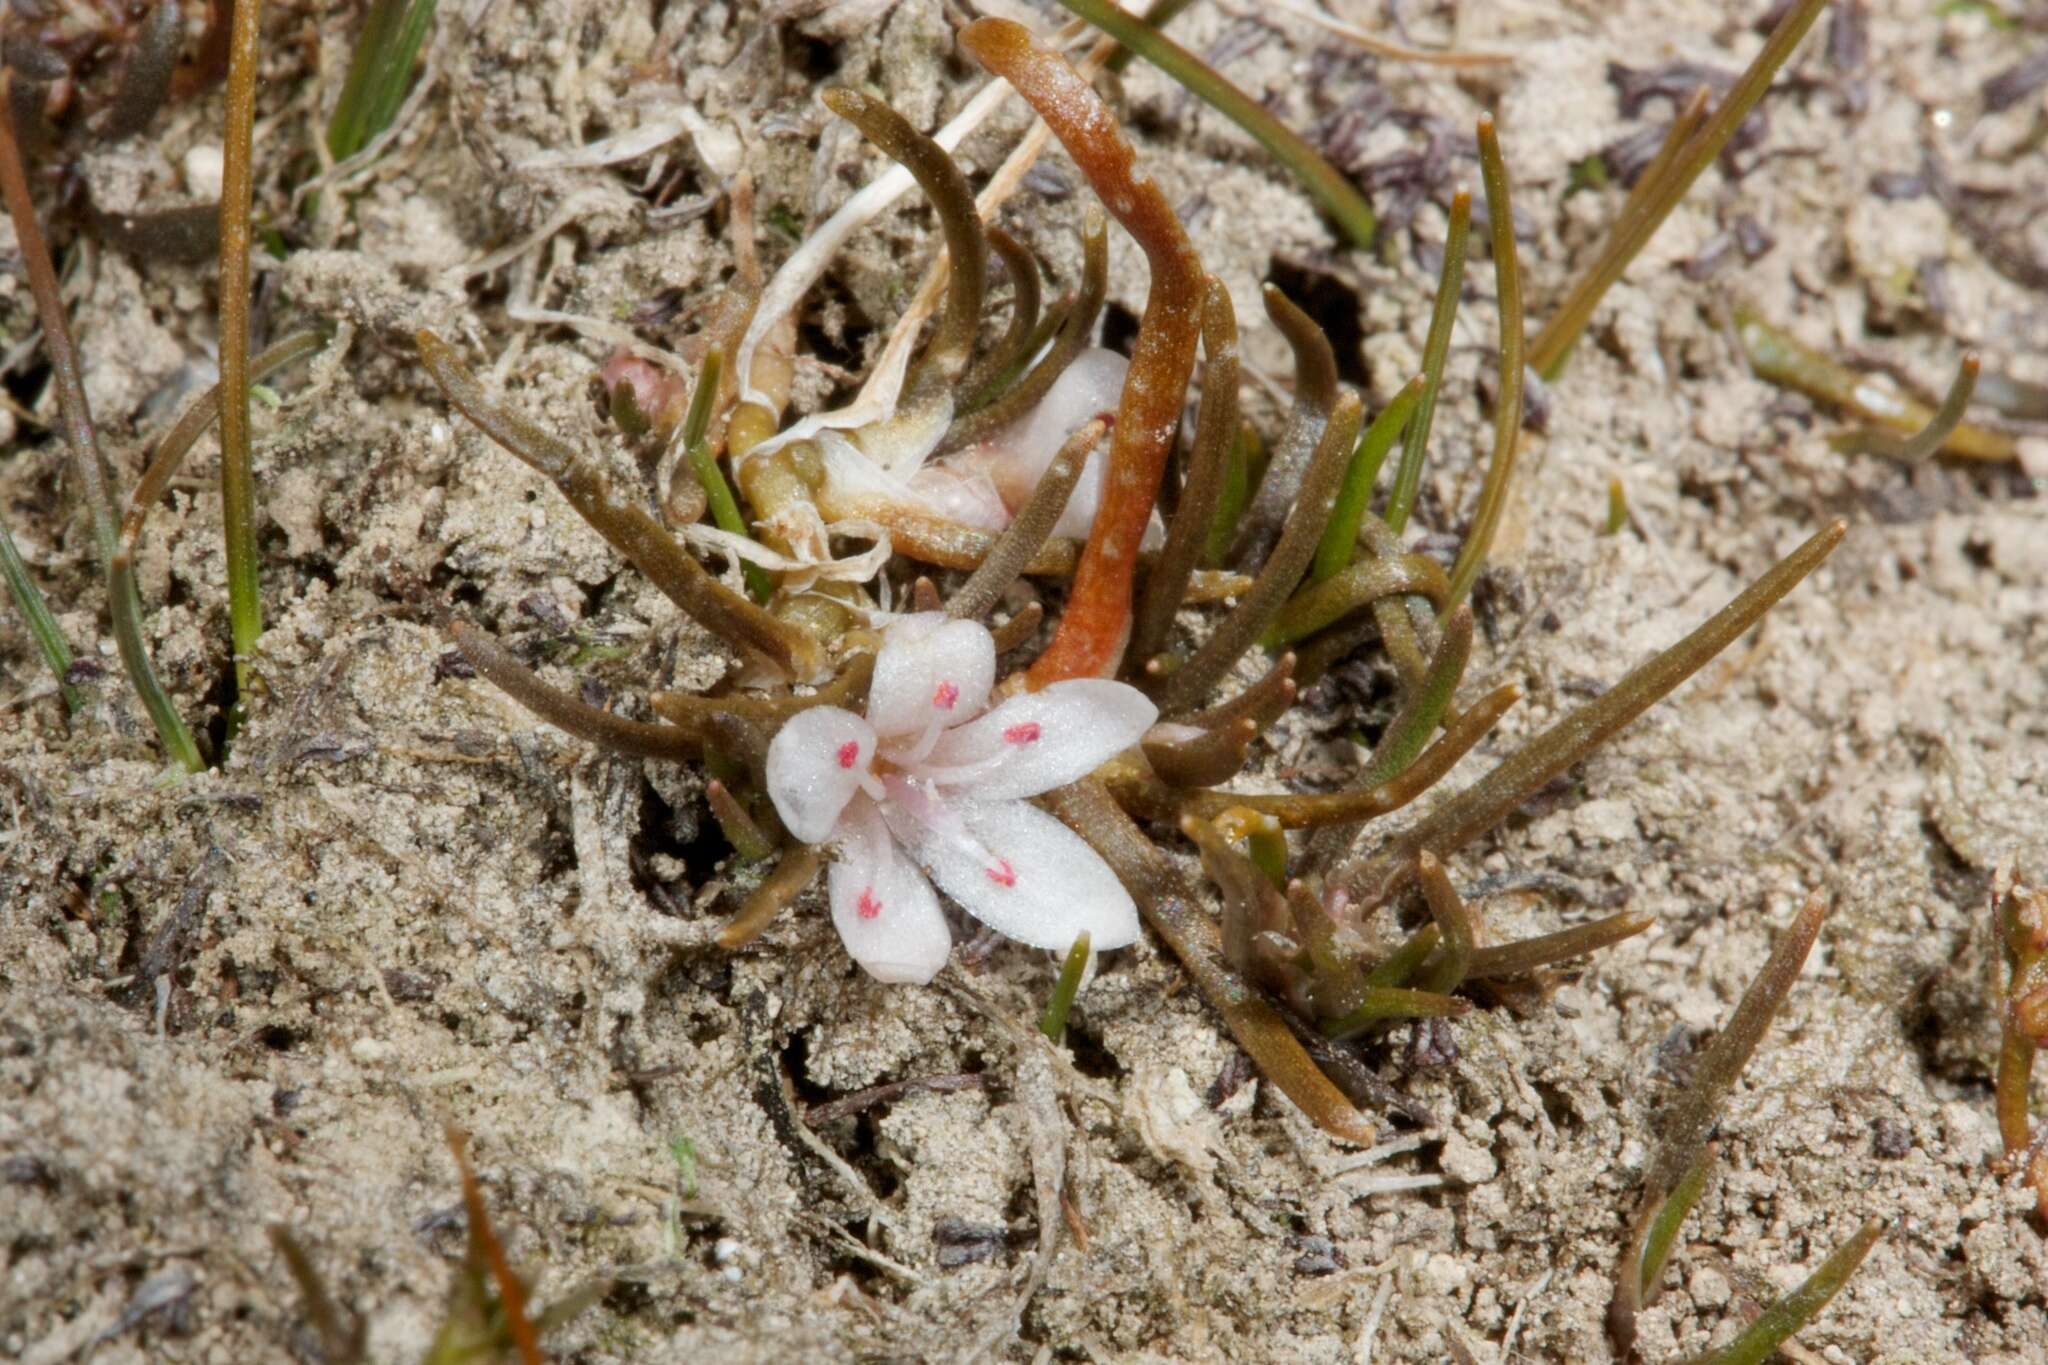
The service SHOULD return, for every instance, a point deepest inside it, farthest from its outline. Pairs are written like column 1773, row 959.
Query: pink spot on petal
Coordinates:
column 1002, row 874
column 945, row 695
column 868, row 907
column 1023, row 732
column 849, row 753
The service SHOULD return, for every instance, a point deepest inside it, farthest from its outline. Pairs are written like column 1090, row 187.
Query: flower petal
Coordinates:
column 815, row 763
column 883, row 907
column 1018, row 456
column 1022, row 873
column 1041, row 740
column 930, row 670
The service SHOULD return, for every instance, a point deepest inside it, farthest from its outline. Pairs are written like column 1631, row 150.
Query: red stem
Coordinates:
column 1091, row 636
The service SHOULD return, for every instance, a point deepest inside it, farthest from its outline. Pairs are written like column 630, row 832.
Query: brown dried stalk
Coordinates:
column 625, row 524
column 671, row 742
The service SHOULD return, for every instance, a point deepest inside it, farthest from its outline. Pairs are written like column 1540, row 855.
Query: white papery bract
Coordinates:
column 930, row 779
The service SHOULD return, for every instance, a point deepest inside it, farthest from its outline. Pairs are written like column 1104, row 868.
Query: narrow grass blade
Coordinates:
column 1175, row 915
column 624, row 523
column 725, row 510
column 1425, row 705
column 42, row 626
column 1402, row 964
column 781, row 886
column 1340, row 537
column 1240, row 472
column 1455, row 921
column 1053, row 1024
column 1776, row 1324
column 1282, row 571
column 1011, row 399
column 1528, row 955
column 1027, row 533
column 486, row 1247
column 1345, row 205
column 1685, row 1133
column 1382, row 1003
column 1634, row 229
column 741, row 830
column 1436, row 349
column 1486, row 802
column 1670, row 1216
column 1897, row 426
column 237, row 480
column 379, row 70
column 89, row 465
column 496, row 665
column 1014, row 350
column 1507, row 411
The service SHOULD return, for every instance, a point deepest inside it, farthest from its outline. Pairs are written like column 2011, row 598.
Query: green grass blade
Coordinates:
column 1507, row 409
column 1340, row 537
column 1435, row 350
column 1670, row 1216
column 379, row 71
column 1778, row 1322
column 1324, row 183
column 1631, row 233
column 725, row 509
column 1054, row 1023
column 42, row 626
column 1236, row 493
column 127, row 619
column 95, row 475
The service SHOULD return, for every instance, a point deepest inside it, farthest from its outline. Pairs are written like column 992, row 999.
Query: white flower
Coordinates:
column 928, row 779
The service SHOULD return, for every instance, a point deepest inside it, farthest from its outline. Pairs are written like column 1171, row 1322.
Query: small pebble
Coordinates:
column 1889, row 1138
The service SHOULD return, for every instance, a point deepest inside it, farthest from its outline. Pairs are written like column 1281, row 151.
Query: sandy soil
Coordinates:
column 256, row 996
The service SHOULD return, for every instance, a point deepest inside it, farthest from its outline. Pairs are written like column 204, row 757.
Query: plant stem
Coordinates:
column 1900, row 427
column 95, row 478
column 74, row 413
column 1661, row 1234
column 237, row 482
